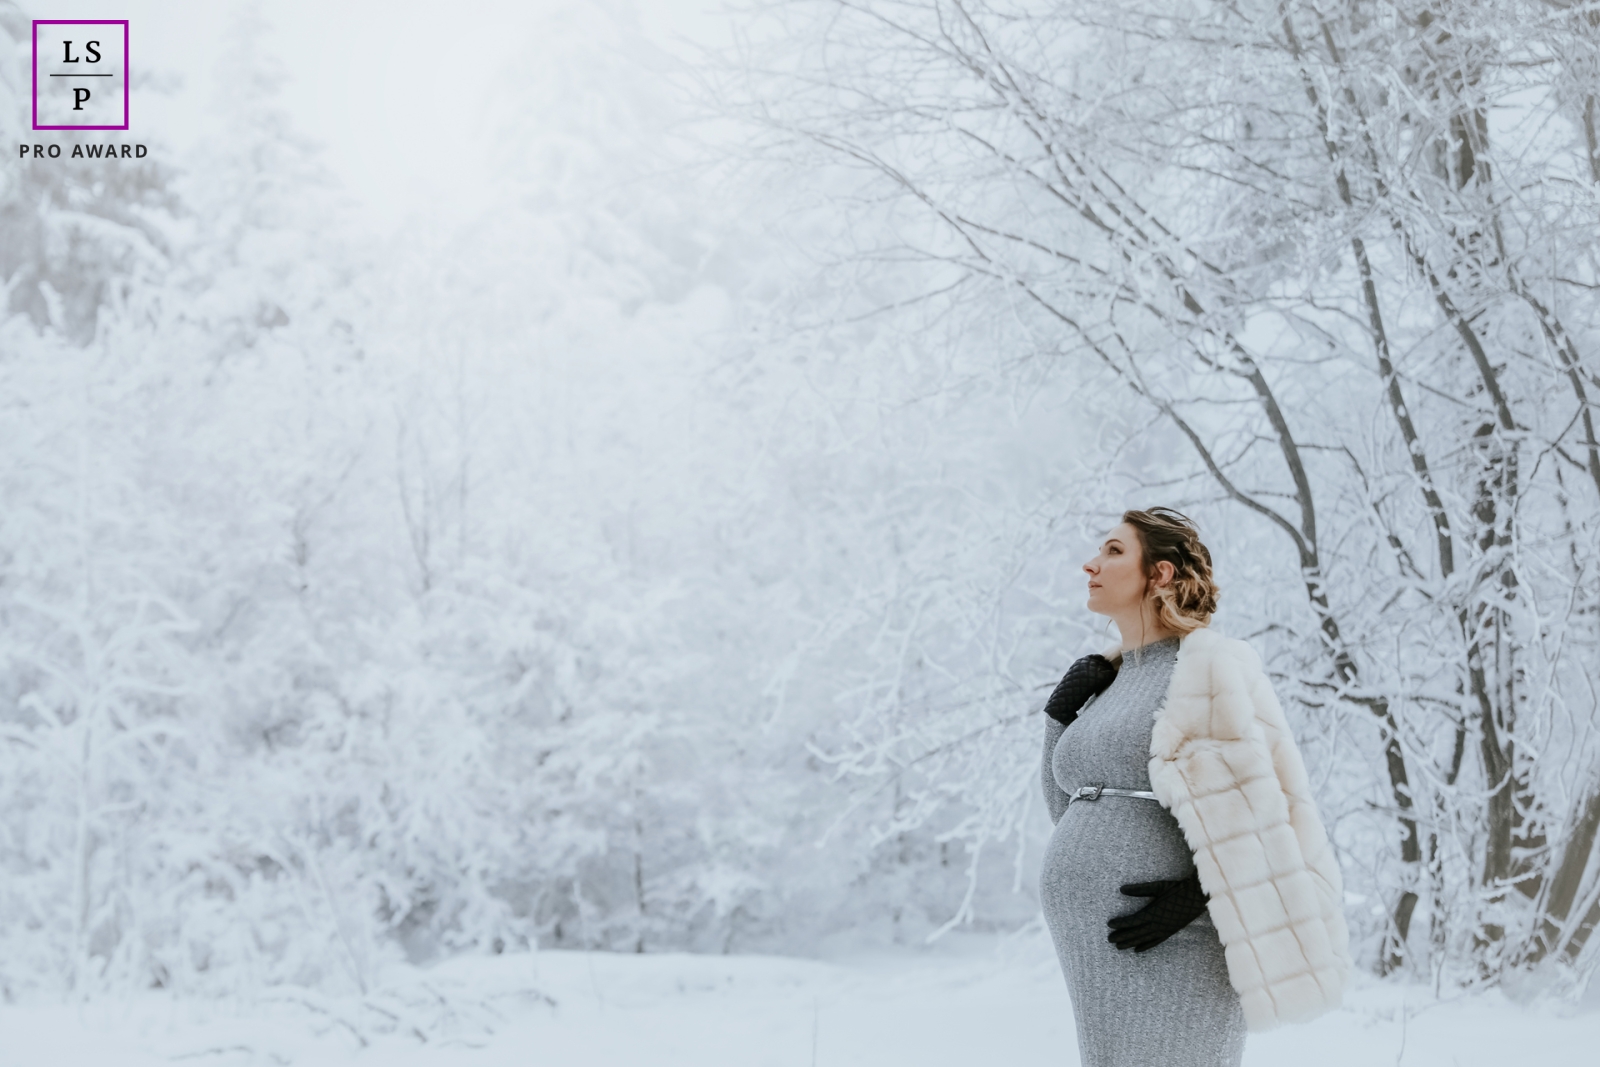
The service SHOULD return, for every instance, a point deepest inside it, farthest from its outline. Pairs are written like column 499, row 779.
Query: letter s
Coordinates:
column 93, row 51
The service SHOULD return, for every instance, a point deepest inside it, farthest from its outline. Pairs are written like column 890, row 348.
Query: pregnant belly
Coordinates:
column 1100, row 845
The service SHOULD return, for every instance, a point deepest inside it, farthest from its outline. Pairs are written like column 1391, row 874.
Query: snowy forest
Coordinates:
column 676, row 555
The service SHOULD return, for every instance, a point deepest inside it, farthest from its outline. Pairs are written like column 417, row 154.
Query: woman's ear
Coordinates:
column 1165, row 572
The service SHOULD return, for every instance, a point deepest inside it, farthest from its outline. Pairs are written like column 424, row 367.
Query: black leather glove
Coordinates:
column 1173, row 905
column 1083, row 680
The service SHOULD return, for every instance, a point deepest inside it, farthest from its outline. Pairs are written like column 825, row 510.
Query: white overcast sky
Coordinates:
column 358, row 81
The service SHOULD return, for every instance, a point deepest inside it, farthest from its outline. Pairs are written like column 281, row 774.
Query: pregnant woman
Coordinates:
column 1189, row 885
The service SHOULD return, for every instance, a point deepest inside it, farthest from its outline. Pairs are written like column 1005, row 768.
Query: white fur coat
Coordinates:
column 1223, row 762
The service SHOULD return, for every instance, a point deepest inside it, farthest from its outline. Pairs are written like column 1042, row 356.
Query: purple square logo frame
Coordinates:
column 75, row 86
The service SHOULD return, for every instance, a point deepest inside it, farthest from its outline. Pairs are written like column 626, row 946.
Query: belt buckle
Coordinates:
column 1089, row 792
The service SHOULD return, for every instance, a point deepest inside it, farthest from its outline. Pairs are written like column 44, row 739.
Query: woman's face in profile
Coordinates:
column 1116, row 575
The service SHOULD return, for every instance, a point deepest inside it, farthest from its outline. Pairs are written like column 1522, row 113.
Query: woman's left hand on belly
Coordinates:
column 1173, row 905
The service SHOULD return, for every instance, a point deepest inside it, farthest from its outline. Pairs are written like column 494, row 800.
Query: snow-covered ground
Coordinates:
column 974, row 1001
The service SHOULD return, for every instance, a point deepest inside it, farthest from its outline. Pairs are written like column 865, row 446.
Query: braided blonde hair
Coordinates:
column 1189, row 601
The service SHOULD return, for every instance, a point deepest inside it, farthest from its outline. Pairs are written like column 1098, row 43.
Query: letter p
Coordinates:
column 78, row 97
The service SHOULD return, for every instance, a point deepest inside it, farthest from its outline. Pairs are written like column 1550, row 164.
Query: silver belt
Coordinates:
column 1095, row 792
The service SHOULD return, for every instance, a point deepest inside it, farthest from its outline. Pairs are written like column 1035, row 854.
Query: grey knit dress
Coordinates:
column 1172, row 1005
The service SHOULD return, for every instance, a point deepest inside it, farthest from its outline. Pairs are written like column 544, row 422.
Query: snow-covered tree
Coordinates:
column 1340, row 258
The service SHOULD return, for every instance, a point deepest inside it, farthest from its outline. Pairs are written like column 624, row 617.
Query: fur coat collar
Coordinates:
column 1223, row 761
